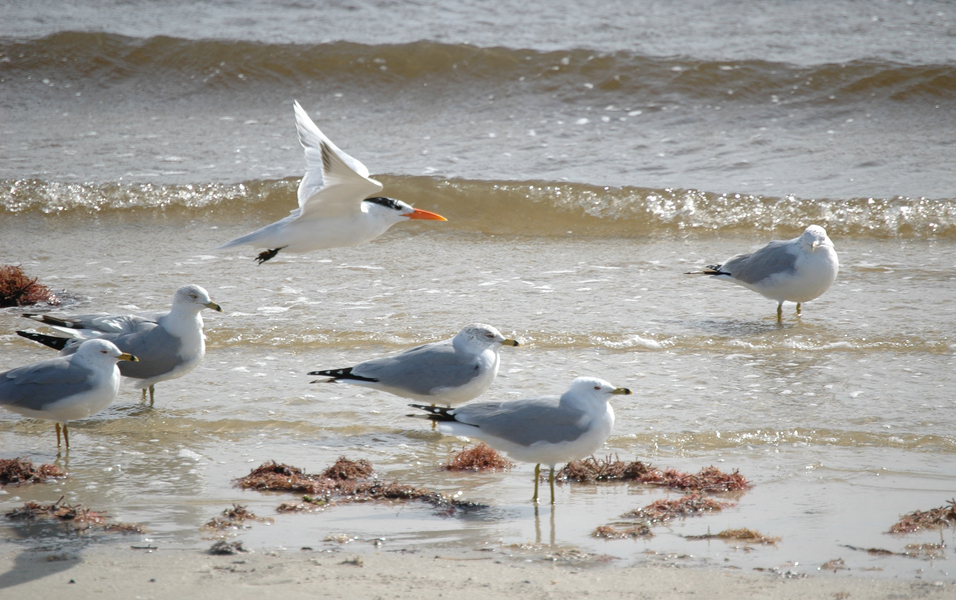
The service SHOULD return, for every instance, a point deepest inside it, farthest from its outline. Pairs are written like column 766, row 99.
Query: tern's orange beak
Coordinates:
column 425, row 215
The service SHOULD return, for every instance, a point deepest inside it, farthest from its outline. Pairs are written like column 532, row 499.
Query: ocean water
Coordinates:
column 586, row 156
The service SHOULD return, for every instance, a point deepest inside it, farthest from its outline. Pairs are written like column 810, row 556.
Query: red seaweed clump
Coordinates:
column 281, row 478
column 709, row 479
column 345, row 481
column 19, row 471
column 592, row 469
column 349, row 470
column 478, row 458
column 935, row 518
column 18, row 289
column 76, row 517
column 688, row 505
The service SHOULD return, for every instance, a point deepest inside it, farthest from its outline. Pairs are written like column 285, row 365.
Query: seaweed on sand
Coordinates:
column 77, row 517
column 935, row 518
column 659, row 512
column 18, row 289
column 480, row 457
column 19, row 471
column 738, row 535
column 234, row 517
column 686, row 506
column 345, row 481
column 592, row 469
column 709, row 479
column 610, row 532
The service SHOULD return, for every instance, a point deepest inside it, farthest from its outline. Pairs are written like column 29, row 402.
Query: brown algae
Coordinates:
column 709, row 479
column 935, row 518
column 18, row 289
column 16, row 471
column 480, row 457
column 345, row 481
column 748, row 536
column 686, row 506
column 75, row 517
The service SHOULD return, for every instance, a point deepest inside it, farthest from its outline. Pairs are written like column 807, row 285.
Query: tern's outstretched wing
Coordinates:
column 334, row 183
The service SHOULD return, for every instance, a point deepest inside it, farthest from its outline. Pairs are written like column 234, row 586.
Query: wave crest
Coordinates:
column 169, row 63
column 513, row 208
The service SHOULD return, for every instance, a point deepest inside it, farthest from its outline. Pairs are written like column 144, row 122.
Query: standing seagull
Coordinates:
column 67, row 387
column 547, row 429
column 168, row 344
column 451, row 371
column 796, row 270
column 334, row 208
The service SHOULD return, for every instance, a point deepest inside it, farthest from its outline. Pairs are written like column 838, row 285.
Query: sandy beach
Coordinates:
column 108, row 574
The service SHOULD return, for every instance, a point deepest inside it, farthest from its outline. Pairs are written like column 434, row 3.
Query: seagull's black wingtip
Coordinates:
column 342, row 374
column 51, row 341
column 437, row 413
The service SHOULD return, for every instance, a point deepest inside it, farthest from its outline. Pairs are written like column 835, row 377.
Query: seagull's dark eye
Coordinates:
column 193, row 296
column 597, row 387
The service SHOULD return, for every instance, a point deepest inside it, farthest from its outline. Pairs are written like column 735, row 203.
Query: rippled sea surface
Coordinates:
column 586, row 156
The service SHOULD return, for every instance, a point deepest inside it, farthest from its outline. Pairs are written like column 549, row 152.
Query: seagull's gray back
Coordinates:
column 156, row 350
column 34, row 386
column 422, row 369
column 106, row 323
column 773, row 258
column 524, row 422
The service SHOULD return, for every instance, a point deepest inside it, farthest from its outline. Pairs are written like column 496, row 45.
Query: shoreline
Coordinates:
column 114, row 572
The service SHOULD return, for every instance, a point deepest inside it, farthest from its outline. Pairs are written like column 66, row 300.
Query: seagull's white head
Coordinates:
column 477, row 337
column 100, row 352
column 394, row 211
column 814, row 237
column 594, row 389
column 193, row 297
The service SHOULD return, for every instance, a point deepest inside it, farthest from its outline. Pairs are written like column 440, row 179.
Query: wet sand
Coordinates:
column 116, row 573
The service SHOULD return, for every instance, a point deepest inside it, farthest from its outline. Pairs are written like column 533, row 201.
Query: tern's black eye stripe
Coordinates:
column 386, row 202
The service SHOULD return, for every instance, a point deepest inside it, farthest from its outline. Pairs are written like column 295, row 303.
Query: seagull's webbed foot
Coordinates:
column 267, row 254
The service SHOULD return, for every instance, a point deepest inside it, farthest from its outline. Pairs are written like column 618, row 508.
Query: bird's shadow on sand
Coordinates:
column 29, row 567
column 50, row 553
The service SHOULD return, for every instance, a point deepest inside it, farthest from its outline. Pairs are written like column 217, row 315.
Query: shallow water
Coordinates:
column 842, row 419
column 571, row 235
